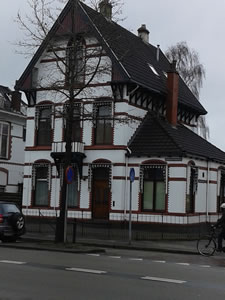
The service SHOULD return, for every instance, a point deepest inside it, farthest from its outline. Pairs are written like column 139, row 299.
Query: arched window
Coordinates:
column 75, row 61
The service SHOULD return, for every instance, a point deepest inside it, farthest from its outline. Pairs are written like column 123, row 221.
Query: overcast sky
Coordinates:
column 200, row 23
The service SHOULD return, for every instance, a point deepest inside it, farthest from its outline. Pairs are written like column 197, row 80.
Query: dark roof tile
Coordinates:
column 156, row 137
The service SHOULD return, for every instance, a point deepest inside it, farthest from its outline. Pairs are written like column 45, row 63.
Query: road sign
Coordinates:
column 69, row 174
column 132, row 174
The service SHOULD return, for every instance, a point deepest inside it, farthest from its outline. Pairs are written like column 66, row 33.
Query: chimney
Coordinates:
column 143, row 33
column 105, row 8
column 172, row 96
column 16, row 101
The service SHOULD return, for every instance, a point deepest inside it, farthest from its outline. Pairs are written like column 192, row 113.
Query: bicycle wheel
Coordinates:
column 206, row 246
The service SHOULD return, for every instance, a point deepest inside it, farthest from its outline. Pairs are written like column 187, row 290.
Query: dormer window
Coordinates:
column 165, row 74
column 153, row 69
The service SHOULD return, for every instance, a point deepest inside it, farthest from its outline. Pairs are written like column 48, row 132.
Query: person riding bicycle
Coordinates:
column 221, row 224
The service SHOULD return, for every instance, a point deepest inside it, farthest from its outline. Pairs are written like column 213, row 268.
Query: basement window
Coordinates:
column 153, row 69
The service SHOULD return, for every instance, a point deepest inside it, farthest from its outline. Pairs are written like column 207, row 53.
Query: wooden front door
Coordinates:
column 101, row 194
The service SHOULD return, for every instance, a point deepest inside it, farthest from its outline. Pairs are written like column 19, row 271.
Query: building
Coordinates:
column 141, row 115
column 12, row 144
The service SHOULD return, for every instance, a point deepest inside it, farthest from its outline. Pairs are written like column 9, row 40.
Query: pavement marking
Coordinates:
column 136, row 259
column 86, row 270
column 91, row 254
column 163, row 279
column 205, row 266
column 12, row 262
column 160, row 261
column 183, row 264
column 117, row 257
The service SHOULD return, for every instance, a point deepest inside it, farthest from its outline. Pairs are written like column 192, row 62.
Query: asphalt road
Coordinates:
column 118, row 274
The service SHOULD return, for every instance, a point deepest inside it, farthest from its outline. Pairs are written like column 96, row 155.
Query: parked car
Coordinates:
column 12, row 222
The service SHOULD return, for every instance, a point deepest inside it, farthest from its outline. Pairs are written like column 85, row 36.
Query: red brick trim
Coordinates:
column 213, row 169
column 177, row 165
column 134, row 165
column 177, row 179
column 212, row 181
column 119, row 178
column 39, row 148
column 104, row 147
column 119, row 165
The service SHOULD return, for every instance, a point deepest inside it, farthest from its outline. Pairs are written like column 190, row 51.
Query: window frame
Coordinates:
column 35, row 180
column 143, row 170
column 107, row 124
column 192, row 188
column 2, row 123
column 38, row 118
column 77, row 123
column 79, row 76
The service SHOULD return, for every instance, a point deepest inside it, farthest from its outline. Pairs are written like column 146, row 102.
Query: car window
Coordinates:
column 10, row 208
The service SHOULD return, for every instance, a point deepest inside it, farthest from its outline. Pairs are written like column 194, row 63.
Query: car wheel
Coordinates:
column 17, row 222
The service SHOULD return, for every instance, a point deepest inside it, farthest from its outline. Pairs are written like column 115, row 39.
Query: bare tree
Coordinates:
column 41, row 17
column 192, row 72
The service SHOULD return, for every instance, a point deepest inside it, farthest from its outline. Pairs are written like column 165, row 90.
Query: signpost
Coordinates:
column 69, row 179
column 132, row 178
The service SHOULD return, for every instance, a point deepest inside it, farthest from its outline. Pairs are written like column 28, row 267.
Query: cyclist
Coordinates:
column 221, row 224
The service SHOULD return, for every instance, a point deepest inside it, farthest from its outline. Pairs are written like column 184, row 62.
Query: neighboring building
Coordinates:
column 12, row 144
column 144, row 117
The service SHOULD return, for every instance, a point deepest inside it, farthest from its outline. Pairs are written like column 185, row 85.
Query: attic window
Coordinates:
column 153, row 69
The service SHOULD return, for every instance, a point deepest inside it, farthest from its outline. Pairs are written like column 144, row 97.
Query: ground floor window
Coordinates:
column 41, row 180
column 154, row 188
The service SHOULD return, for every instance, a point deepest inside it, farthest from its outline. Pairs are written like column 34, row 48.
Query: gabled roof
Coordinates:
column 155, row 137
column 128, row 51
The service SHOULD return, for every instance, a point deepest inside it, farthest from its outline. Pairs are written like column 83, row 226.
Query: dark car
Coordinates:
column 12, row 222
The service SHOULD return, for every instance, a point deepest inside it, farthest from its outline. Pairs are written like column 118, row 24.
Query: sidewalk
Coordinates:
column 37, row 241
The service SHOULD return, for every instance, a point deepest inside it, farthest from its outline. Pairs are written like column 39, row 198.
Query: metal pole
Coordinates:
column 65, row 218
column 130, row 212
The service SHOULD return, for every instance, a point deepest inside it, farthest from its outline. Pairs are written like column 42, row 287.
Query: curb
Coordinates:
column 103, row 245
column 50, row 249
column 140, row 248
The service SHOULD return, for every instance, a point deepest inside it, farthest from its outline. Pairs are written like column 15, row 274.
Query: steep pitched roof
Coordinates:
column 4, row 92
column 128, row 51
column 156, row 137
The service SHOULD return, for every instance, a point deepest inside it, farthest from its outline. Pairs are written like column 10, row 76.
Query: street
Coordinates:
column 117, row 274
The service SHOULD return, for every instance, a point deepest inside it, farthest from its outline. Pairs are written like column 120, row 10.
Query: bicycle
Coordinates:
column 207, row 245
